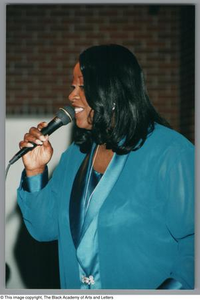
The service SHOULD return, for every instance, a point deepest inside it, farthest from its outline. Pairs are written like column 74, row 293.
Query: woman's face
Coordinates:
column 77, row 98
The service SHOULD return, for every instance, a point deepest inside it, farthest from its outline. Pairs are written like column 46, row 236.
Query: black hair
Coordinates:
column 115, row 89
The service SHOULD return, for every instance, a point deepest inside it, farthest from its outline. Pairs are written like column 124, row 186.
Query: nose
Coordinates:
column 73, row 96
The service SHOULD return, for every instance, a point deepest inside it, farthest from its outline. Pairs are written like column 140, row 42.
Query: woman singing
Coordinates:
column 120, row 202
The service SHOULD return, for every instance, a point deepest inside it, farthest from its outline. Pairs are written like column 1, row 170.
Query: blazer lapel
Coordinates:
column 76, row 201
column 76, row 206
column 103, row 189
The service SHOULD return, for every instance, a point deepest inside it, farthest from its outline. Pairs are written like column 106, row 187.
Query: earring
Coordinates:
column 114, row 105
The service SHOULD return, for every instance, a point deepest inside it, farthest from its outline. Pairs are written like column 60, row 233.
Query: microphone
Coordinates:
column 63, row 116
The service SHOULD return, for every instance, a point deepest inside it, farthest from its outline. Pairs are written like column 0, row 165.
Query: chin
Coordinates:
column 83, row 125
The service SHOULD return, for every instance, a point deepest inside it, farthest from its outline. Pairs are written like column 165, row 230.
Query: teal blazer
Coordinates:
column 146, row 220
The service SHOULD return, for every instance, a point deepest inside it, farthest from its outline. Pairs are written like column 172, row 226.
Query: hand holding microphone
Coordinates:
column 36, row 159
column 36, row 144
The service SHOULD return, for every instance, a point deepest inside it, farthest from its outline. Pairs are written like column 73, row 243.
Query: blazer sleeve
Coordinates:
column 180, row 215
column 40, row 208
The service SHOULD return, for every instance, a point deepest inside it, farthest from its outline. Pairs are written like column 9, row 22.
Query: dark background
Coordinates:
column 43, row 44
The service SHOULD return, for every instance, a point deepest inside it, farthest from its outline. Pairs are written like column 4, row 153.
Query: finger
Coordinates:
column 46, row 143
column 23, row 144
column 42, row 125
column 37, row 134
column 36, row 139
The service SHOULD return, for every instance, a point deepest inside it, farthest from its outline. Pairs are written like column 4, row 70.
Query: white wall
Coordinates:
column 15, row 130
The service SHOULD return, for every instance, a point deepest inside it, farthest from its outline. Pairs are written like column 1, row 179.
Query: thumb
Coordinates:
column 46, row 142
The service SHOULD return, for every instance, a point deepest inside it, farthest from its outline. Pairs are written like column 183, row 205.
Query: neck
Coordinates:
column 103, row 158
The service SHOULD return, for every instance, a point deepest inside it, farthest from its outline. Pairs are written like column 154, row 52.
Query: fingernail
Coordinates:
column 30, row 145
column 42, row 138
column 38, row 142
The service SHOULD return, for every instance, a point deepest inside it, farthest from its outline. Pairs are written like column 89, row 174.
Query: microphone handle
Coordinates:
column 49, row 129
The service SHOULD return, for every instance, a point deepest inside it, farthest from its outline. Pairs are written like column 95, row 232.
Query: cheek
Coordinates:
column 85, row 103
column 84, row 120
column 84, row 100
column 83, row 123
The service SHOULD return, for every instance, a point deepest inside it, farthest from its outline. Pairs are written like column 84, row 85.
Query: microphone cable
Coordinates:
column 7, row 169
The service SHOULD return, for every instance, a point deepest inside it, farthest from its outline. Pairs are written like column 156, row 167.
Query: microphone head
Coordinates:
column 65, row 114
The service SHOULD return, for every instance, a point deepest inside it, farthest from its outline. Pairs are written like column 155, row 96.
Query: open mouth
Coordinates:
column 78, row 110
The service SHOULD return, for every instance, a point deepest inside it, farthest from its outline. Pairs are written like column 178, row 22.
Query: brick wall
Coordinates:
column 44, row 41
